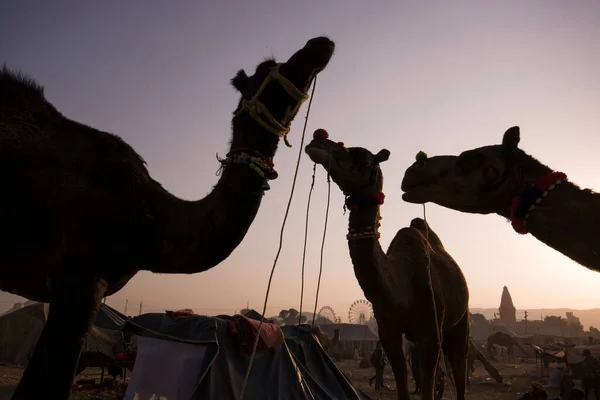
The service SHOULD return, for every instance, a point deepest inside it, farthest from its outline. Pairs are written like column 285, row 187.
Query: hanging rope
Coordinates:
column 312, row 187
column 322, row 243
column 287, row 210
column 431, row 290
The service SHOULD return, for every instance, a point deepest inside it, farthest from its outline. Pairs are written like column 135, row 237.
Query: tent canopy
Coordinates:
column 253, row 314
column 212, row 354
column 351, row 332
column 21, row 328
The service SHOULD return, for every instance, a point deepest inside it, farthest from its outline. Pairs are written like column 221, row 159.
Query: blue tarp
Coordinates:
column 298, row 370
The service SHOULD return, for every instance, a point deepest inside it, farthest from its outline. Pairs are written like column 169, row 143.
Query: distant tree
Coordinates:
column 556, row 321
column 290, row 317
column 577, row 327
column 594, row 331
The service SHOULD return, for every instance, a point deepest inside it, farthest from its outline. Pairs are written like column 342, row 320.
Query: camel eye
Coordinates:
column 469, row 161
column 490, row 173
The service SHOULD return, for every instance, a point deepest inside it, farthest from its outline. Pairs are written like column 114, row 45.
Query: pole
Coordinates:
column 126, row 301
column 140, row 307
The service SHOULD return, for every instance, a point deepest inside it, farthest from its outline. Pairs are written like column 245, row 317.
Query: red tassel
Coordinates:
column 320, row 134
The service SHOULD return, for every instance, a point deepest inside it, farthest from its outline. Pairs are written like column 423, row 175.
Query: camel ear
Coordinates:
column 240, row 81
column 510, row 141
column 382, row 156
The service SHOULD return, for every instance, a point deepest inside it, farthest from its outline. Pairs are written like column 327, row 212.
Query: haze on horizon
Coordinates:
column 439, row 76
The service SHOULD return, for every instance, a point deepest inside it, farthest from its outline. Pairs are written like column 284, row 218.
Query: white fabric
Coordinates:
column 555, row 378
column 164, row 370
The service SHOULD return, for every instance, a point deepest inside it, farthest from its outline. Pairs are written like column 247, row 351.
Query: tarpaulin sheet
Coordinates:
column 20, row 330
column 278, row 373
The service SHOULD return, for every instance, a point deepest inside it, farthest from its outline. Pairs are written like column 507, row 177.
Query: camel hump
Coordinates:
column 422, row 226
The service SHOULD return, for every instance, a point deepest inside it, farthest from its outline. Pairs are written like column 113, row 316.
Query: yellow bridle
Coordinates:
column 260, row 113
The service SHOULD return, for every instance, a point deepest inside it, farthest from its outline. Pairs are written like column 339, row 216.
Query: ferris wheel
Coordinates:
column 327, row 312
column 360, row 312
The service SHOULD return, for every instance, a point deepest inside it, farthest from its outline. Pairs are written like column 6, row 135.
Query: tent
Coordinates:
column 200, row 357
column 350, row 336
column 252, row 314
column 21, row 328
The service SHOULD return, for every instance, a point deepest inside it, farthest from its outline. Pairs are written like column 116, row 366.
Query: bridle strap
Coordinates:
column 260, row 113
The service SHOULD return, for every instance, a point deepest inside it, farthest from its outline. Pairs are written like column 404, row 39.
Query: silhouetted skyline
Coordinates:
column 439, row 76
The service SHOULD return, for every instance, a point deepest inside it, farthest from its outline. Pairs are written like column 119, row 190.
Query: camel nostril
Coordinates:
column 320, row 44
column 320, row 41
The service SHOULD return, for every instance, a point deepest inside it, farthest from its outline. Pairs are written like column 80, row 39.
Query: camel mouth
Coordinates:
column 313, row 57
column 413, row 192
column 322, row 49
column 413, row 197
column 409, row 185
column 317, row 155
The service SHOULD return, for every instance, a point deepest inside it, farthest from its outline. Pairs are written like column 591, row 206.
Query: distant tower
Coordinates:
column 508, row 312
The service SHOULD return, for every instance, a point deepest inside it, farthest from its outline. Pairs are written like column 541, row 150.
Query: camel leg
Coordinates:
column 73, row 307
column 456, row 347
column 429, row 356
column 394, row 351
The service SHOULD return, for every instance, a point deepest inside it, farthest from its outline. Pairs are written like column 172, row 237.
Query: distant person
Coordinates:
column 378, row 360
column 591, row 375
column 554, row 382
column 415, row 367
column 576, row 394
column 566, row 385
column 356, row 352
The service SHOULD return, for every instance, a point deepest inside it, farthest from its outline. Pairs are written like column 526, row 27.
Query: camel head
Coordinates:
column 272, row 96
column 354, row 169
column 479, row 181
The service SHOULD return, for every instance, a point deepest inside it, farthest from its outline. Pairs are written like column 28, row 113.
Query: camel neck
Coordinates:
column 195, row 236
column 568, row 220
column 366, row 252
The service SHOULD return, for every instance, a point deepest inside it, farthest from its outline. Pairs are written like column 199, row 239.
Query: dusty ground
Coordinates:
column 9, row 377
column 519, row 377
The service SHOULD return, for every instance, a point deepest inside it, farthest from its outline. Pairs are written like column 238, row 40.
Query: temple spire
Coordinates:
column 508, row 312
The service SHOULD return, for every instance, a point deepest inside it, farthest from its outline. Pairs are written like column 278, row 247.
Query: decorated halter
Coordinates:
column 258, row 163
column 261, row 114
column 258, row 111
column 354, row 203
column 523, row 205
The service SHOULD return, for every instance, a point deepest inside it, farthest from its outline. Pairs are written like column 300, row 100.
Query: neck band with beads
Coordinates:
column 524, row 204
column 354, row 203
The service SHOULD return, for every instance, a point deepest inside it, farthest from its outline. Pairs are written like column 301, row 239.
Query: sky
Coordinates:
column 438, row 76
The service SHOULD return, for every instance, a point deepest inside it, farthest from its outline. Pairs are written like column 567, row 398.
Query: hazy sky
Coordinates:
column 435, row 76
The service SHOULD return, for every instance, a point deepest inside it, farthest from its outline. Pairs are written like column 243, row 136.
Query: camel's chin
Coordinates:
column 318, row 156
column 414, row 197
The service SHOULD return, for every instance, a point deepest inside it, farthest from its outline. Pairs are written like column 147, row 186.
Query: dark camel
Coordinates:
column 503, row 179
column 396, row 282
column 476, row 355
column 80, row 214
column 503, row 339
column 324, row 340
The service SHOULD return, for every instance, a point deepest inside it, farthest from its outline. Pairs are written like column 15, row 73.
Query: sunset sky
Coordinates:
column 438, row 76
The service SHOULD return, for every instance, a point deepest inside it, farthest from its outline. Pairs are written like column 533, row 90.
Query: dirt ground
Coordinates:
column 519, row 378
column 9, row 378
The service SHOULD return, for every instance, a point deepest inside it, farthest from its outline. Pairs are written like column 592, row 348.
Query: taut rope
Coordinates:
column 287, row 210
column 435, row 313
